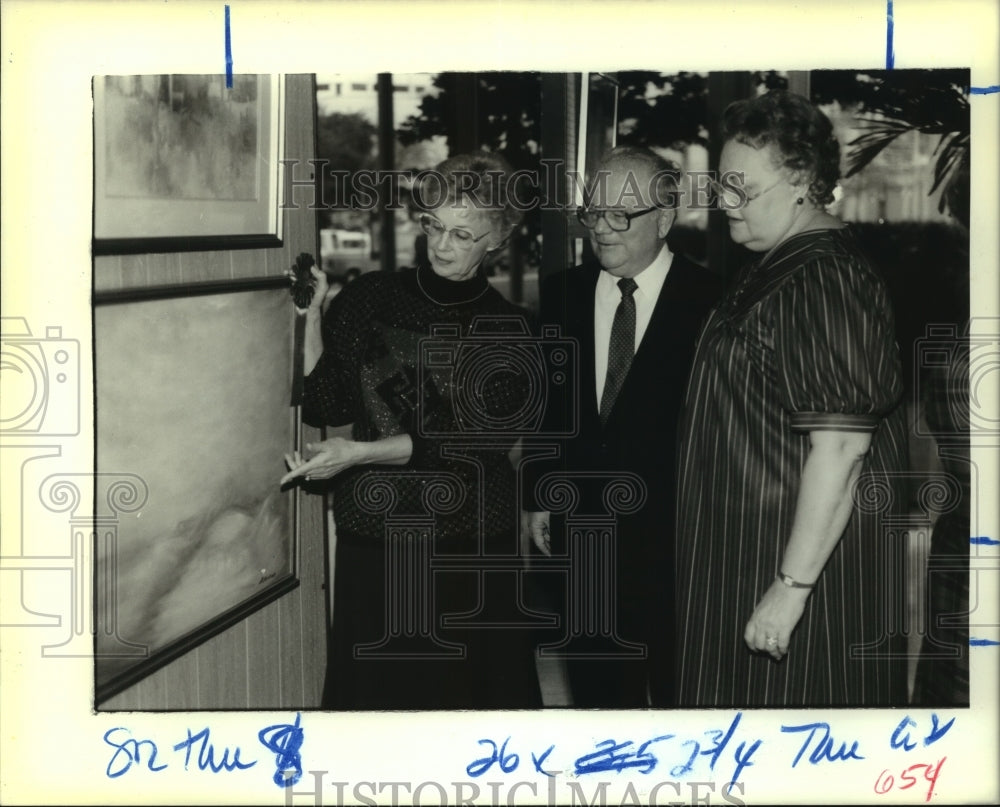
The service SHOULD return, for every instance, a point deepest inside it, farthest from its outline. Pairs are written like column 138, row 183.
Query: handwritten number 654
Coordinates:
column 507, row 762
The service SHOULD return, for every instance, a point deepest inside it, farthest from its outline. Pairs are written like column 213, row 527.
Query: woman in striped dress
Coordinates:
column 790, row 575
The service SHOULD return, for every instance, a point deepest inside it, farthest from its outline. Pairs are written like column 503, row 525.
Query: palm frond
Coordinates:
column 867, row 146
column 950, row 156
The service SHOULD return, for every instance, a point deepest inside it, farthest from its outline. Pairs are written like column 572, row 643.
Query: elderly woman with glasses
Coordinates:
column 422, row 484
column 793, row 444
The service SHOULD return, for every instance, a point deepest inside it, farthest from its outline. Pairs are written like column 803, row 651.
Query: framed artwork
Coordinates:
column 597, row 133
column 183, row 162
column 193, row 419
column 598, row 122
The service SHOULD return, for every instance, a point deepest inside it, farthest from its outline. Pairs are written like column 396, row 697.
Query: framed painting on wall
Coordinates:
column 598, row 122
column 183, row 162
column 193, row 418
column 597, row 133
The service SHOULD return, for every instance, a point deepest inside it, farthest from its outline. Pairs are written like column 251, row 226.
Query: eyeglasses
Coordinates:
column 617, row 220
column 462, row 239
column 719, row 190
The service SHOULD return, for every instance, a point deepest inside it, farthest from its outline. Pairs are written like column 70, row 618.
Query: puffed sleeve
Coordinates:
column 330, row 391
column 838, row 363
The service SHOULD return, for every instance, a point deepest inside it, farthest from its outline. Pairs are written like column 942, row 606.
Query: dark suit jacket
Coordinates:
column 641, row 433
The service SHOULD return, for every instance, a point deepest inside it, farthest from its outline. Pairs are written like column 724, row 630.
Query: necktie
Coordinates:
column 621, row 347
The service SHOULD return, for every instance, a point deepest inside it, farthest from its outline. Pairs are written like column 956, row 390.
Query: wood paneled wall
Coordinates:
column 276, row 658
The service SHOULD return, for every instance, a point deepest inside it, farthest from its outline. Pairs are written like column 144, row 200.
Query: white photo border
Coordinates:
column 52, row 742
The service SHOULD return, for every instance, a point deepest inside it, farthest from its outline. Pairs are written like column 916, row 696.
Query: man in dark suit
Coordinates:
column 635, row 313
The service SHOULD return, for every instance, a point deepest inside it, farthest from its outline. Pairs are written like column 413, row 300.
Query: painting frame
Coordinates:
column 122, row 658
column 597, row 133
column 597, row 122
column 197, row 164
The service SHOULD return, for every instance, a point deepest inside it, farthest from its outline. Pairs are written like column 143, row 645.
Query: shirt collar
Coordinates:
column 649, row 280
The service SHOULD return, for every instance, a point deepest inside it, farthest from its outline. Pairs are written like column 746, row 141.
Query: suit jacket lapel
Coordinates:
column 661, row 316
column 653, row 338
column 588, row 381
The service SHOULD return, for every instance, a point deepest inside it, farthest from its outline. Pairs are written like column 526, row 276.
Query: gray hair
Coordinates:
column 666, row 173
column 482, row 178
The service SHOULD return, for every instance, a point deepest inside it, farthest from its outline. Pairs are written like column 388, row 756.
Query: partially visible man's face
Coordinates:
column 627, row 188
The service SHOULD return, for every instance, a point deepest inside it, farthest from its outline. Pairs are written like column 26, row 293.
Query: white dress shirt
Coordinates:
column 607, row 296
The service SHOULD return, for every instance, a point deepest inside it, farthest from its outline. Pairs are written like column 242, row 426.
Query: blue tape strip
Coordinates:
column 890, row 54
column 229, row 53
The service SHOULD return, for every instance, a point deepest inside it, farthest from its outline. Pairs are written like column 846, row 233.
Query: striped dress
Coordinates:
column 802, row 341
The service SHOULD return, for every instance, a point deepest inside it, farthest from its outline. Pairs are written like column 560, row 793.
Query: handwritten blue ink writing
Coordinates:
column 285, row 742
column 743, row 760
column 132, row 751
column 507, row 762
column 206, row 754
column 686, row 767
column 619, row 756
column 974, row 642
column 721, row 740
column 610, row 758
column 937, row 732
column 538, row 761
column 818, row 745
column 901, row 740
column 904, row 742
column 824, row 748
column 983, row 540
column 993, row 88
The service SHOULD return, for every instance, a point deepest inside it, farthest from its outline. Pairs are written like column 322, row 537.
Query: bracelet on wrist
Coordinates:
column 791, row 582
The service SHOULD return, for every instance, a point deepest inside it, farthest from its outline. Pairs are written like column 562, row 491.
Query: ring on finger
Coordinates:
column 771, row 641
